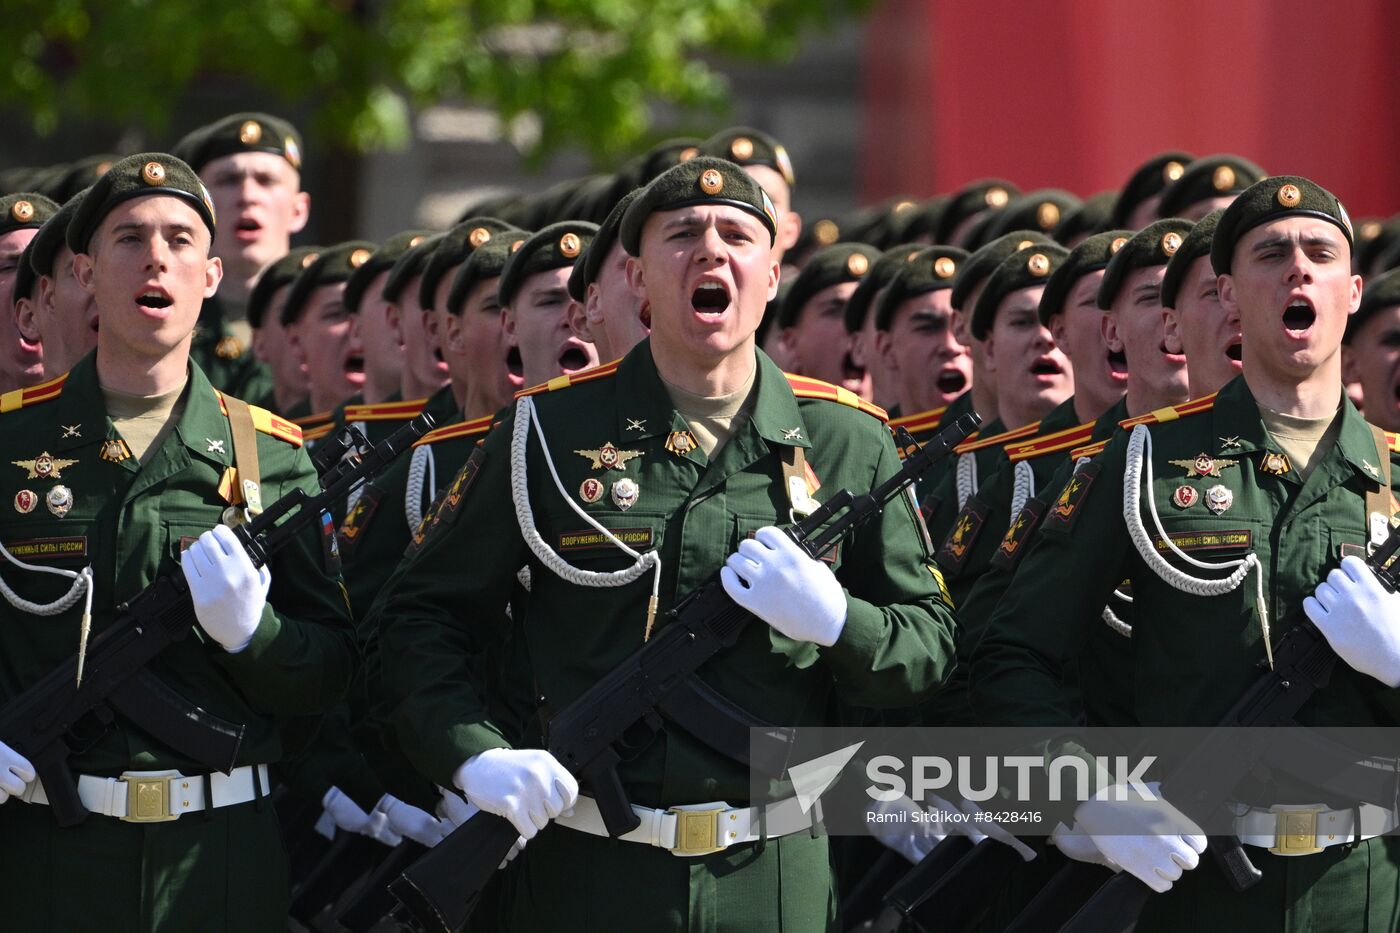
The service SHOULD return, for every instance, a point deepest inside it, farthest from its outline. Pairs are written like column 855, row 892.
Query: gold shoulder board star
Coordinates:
column 72, row 430
column 792, row 434
column 608, row 457
column 44, row 466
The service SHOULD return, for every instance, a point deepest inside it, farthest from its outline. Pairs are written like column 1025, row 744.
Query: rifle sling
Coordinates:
column 245, row 452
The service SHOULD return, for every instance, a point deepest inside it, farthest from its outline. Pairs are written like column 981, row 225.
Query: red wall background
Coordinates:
column 1077, row 93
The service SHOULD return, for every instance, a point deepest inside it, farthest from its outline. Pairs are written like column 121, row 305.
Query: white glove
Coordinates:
column 228, row 591
column 1360, row 620
column 408, row 821
column 345, row 812
column 525, row 785
column 774, row 579
column 454, row 811
column 953, row 826
column 1150, row 839
column 15, row 772
column 911, row 838
column 994, row 830
column 1076, row 844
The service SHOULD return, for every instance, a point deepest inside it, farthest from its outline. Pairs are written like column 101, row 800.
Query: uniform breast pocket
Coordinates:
column 181, row 533
column 1207, row 542
column 52, row 546
column 587, row 548
column 746, row 526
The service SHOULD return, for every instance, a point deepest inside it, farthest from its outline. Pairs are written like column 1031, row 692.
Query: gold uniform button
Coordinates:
column 711, row 181
column 153, row 173
column 1289, row 196
column 250, row 133
column 1223, row 179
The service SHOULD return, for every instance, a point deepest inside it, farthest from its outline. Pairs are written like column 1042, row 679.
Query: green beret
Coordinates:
column 880, row 225
column 241, row 132
column 382, row 259
column 591, row 260
column 27, row 210
column 1037, row 210
column 880, row 274
column 702, row 180
column 1216, row 176
column 547, row 207
column 23, row 286
column 744, row 145
column 273, row 276
column 1390, row 259
column 1153, row 245
column 454, row 248
column 975, row 236
column 1374, row 238
column 504, row 206
column 1196, row 245
column 844, row 262
column 1381, row 292
column 331, row 265
column 1022, row 269
column 1151, row 178
column 922, row 220
column 1090, row 216
column 592, row 201
column 771, row 312
column 1268, row 200
column 487, row 262
column 660, row 158
column 45, row 245
column 1090, row 255
column 973, row 199
column 70, row 178
column 825, row 231
column 981, row 263
column 408, row 267
column 146, row 173
column 21, row 178
column 555, row 247
column 931, row 269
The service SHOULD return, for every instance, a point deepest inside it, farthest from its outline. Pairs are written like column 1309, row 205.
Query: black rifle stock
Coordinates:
column 1303, row 663
column 57, row 717
column 623, row 712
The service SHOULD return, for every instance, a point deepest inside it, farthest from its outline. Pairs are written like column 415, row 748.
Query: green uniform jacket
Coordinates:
column 1193, row 656
column 229, row 365
column 129, row 521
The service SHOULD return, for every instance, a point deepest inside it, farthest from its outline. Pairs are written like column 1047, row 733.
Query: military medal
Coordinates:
column 1275, row 464
column 45, row 466
column 59, row 500
column 114, row 450
column 624, row 493
column 1204, row 465
column 591, row 490
column 681, row 443
column 1185, row 496
column 72, row 430
column 1218, row 498
column 608, row 457
column 25, row 500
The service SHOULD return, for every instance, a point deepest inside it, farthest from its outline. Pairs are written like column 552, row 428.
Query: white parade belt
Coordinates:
column 1309, row 829
column 160, row 796
column 698, row 829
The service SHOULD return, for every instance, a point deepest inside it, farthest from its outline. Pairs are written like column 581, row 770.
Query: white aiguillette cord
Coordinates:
column 520, row 496
column 82, row 586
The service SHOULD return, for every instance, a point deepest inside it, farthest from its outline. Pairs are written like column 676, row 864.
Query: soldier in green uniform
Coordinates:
column 290, row 396
column 376, row 320
column 1136, row 206
column 764, row 158
column 914, row 331
column 859, row 321
column 251, row 164
column 534, row 298
column 60, row 315
column 1275, row 476
column 1371, row 350
column 1197, row 325
column 1089, row 217
column 319, row 329
column 1040, row 210
column 968, row 204
column 21, row 216
column 812, row 319
column 424, row 371
column 608, row 315
column 1207, row 184
column 686, row 489
column 135, row 458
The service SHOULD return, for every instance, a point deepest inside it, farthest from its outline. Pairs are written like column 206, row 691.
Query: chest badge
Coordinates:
column 608, row 457
column 1218, row 498
column 25, row 500
column 1185, row 496
column 114, row 450
column 591, row 490
column 59, row 500
column 681, row 443
column 1275, row 464
column 624, row 493
column 72, row 430
column 1204, row 465
column 44, row 466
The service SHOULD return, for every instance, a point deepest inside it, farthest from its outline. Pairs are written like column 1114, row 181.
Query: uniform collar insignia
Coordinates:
column 636, row 424
column 72, row 430
column 792, row 434
column 216, row 445
column 1230, row 443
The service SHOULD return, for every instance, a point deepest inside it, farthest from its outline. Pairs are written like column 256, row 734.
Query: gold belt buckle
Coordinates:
column 697, row 831
column 1295, row 832
column 148, row 798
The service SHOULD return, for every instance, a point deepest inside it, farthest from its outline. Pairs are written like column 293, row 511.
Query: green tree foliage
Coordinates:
column 587, row 73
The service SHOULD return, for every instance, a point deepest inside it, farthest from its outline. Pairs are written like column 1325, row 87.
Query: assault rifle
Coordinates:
column 1303, row 663
column 622, row 713
column 57, row 717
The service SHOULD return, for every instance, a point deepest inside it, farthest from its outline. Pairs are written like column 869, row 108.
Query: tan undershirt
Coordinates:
column 713, row 419
column 236, row 320
column 1305, row 440
column 144, row 421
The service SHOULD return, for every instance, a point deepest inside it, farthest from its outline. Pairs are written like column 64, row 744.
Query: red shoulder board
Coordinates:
column 470, row 428
column 1190, row 407
column 803, row 387
column 573, row 379
column 265, row 422
column 997, row 440
column 33, row 395
column 307, row 421
column 1393, row 442
column 385, row 411
column 1088, row 450
column 1059, row 441
column 919, row 422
